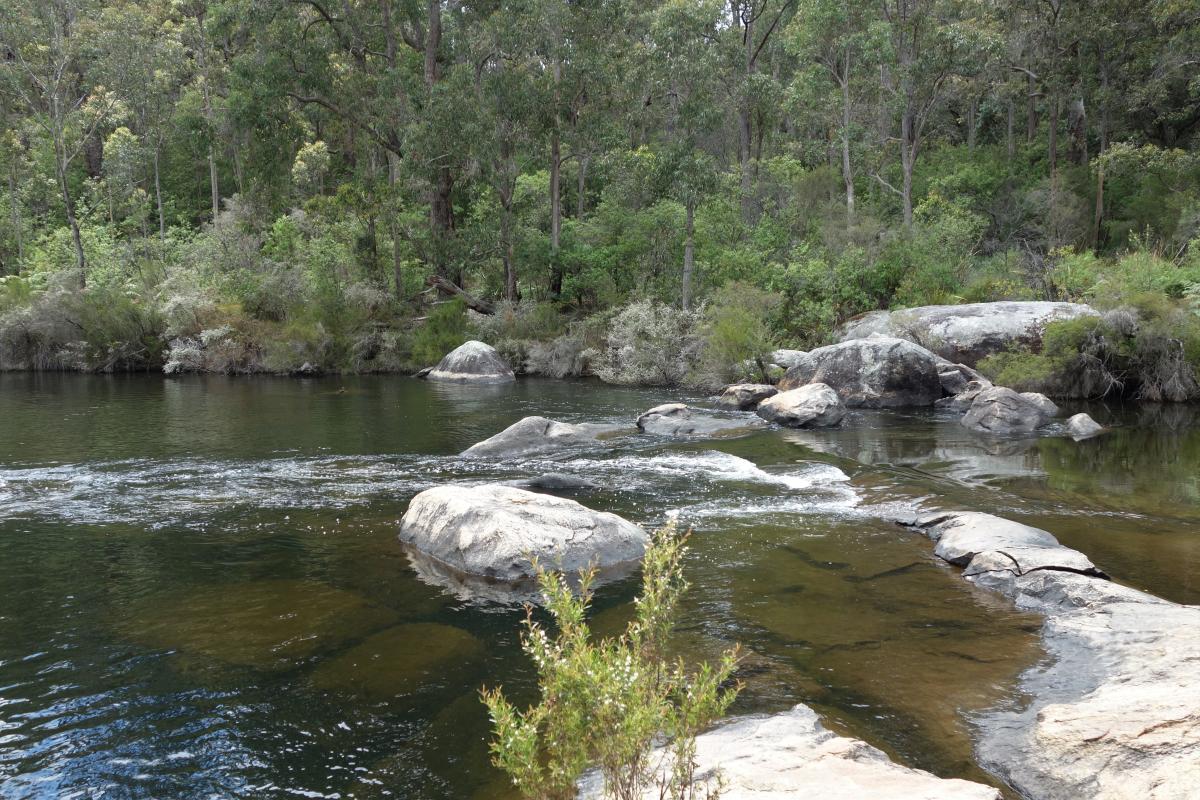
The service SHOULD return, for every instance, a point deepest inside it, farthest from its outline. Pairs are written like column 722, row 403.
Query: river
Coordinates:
column 201, row 591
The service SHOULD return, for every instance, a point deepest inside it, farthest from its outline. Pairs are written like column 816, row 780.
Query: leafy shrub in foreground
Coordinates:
column 606, row 704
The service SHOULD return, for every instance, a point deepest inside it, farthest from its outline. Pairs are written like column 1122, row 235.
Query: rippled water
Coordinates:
column 201, row 593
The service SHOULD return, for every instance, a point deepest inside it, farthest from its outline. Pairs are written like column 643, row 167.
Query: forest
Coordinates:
column 359, row 185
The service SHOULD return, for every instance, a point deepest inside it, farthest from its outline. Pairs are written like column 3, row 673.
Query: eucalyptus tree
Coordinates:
column 929, row 42
column 42, row 73
column 835, row 40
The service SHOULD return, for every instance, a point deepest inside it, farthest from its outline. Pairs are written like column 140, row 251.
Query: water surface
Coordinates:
column 201, row 592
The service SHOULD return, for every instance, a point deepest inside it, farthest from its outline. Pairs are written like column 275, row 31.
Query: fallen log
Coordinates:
column 451, row 288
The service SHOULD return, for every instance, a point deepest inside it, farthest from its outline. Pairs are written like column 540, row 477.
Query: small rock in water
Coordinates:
column 813, row 405
column 535, row 435
column 745, row 396
column 1045, row 404
column 678, row 419
column 1002, row 412
column 1081, row 426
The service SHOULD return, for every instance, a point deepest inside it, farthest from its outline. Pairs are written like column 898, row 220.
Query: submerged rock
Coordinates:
column 398, row 660
column 472, row 362
column 493, row 531
column 1114, row 713
column 745, row 396
column 554, row 482
column 267, row 625
column 970, row 332
column 813, row 405
column 791, row 755
column 1002, row 412
column 678, row 419
column 1081, row 426
column 533, row 435
column 877, row 372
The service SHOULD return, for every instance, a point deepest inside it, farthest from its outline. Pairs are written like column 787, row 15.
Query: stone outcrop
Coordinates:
column 745, row 396
column 1081, row 426
column 791, row 755
column 1114, row 714
column 493, row 531
column 533, row 435
column 962, row 400
column 876, row 372
column 679, row 419
column 813, row 405
column 1000, row 411
column 1045, row 404
column 967, row 333
column 472, row 362
column 787, row 359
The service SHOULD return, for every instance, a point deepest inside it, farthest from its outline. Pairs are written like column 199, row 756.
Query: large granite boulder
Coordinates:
column 813, row 405
column 791, row 755
column 493, row 531
column 533, row 435
column 788, row 358
column 967, row 333
column 1002, row 412
column 1044, row 404
column 472, row 362
column 1114, row 712
column 679, row 419
column 745, row 396
column 876, row 372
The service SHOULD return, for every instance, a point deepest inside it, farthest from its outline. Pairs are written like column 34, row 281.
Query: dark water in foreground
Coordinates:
column 201, row 593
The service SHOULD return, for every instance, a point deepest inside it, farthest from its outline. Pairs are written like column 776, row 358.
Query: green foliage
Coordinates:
column 443, row 330
column 736, row 332
column 606, row 704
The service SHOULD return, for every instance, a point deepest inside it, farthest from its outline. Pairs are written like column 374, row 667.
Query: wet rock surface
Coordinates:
column 533, row 435
column 1114, row 714
column 472, row 362
column 493, row 531
column 876, row 372
column 791, row 755
column 745, row 396
column 1000, row 411
column 1081, row 426
column 679, row 419
column 813, row 405
column 970, row 332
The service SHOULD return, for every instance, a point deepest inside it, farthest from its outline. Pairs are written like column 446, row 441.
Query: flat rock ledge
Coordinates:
column 494, row 532
column 472, row 362
column 1114, row 713
column 790, row 755
column 535, row 435
column 680, row 419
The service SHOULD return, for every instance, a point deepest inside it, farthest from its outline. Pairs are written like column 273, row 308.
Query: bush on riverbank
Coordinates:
column 1147, row 347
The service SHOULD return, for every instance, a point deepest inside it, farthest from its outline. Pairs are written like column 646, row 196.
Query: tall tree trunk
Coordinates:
column 506, row 246
column 162, row 220
column 581, row 188
column 14, row 212
column 689, row 252
column 1052, row 144
column 1030, row 109
column 69, row 206
column 441, row 210
column 209, row 116
column 556, row 275
column 972, row 123
column 1010, row 144
column 847, row 174
column 394, row 227
column 745, row 132
column 1098, row 214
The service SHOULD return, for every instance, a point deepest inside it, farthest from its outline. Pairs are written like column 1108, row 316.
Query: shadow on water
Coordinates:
column 201, row 592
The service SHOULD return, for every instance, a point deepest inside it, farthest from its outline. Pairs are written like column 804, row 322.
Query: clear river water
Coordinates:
column 202, row 594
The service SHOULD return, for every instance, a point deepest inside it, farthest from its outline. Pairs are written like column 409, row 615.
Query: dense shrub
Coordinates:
column 648, row 343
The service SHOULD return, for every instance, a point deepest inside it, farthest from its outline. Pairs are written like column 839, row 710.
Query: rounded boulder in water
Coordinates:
column 472, row 362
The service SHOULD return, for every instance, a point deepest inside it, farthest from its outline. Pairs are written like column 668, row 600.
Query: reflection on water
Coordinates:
column 201, row 592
